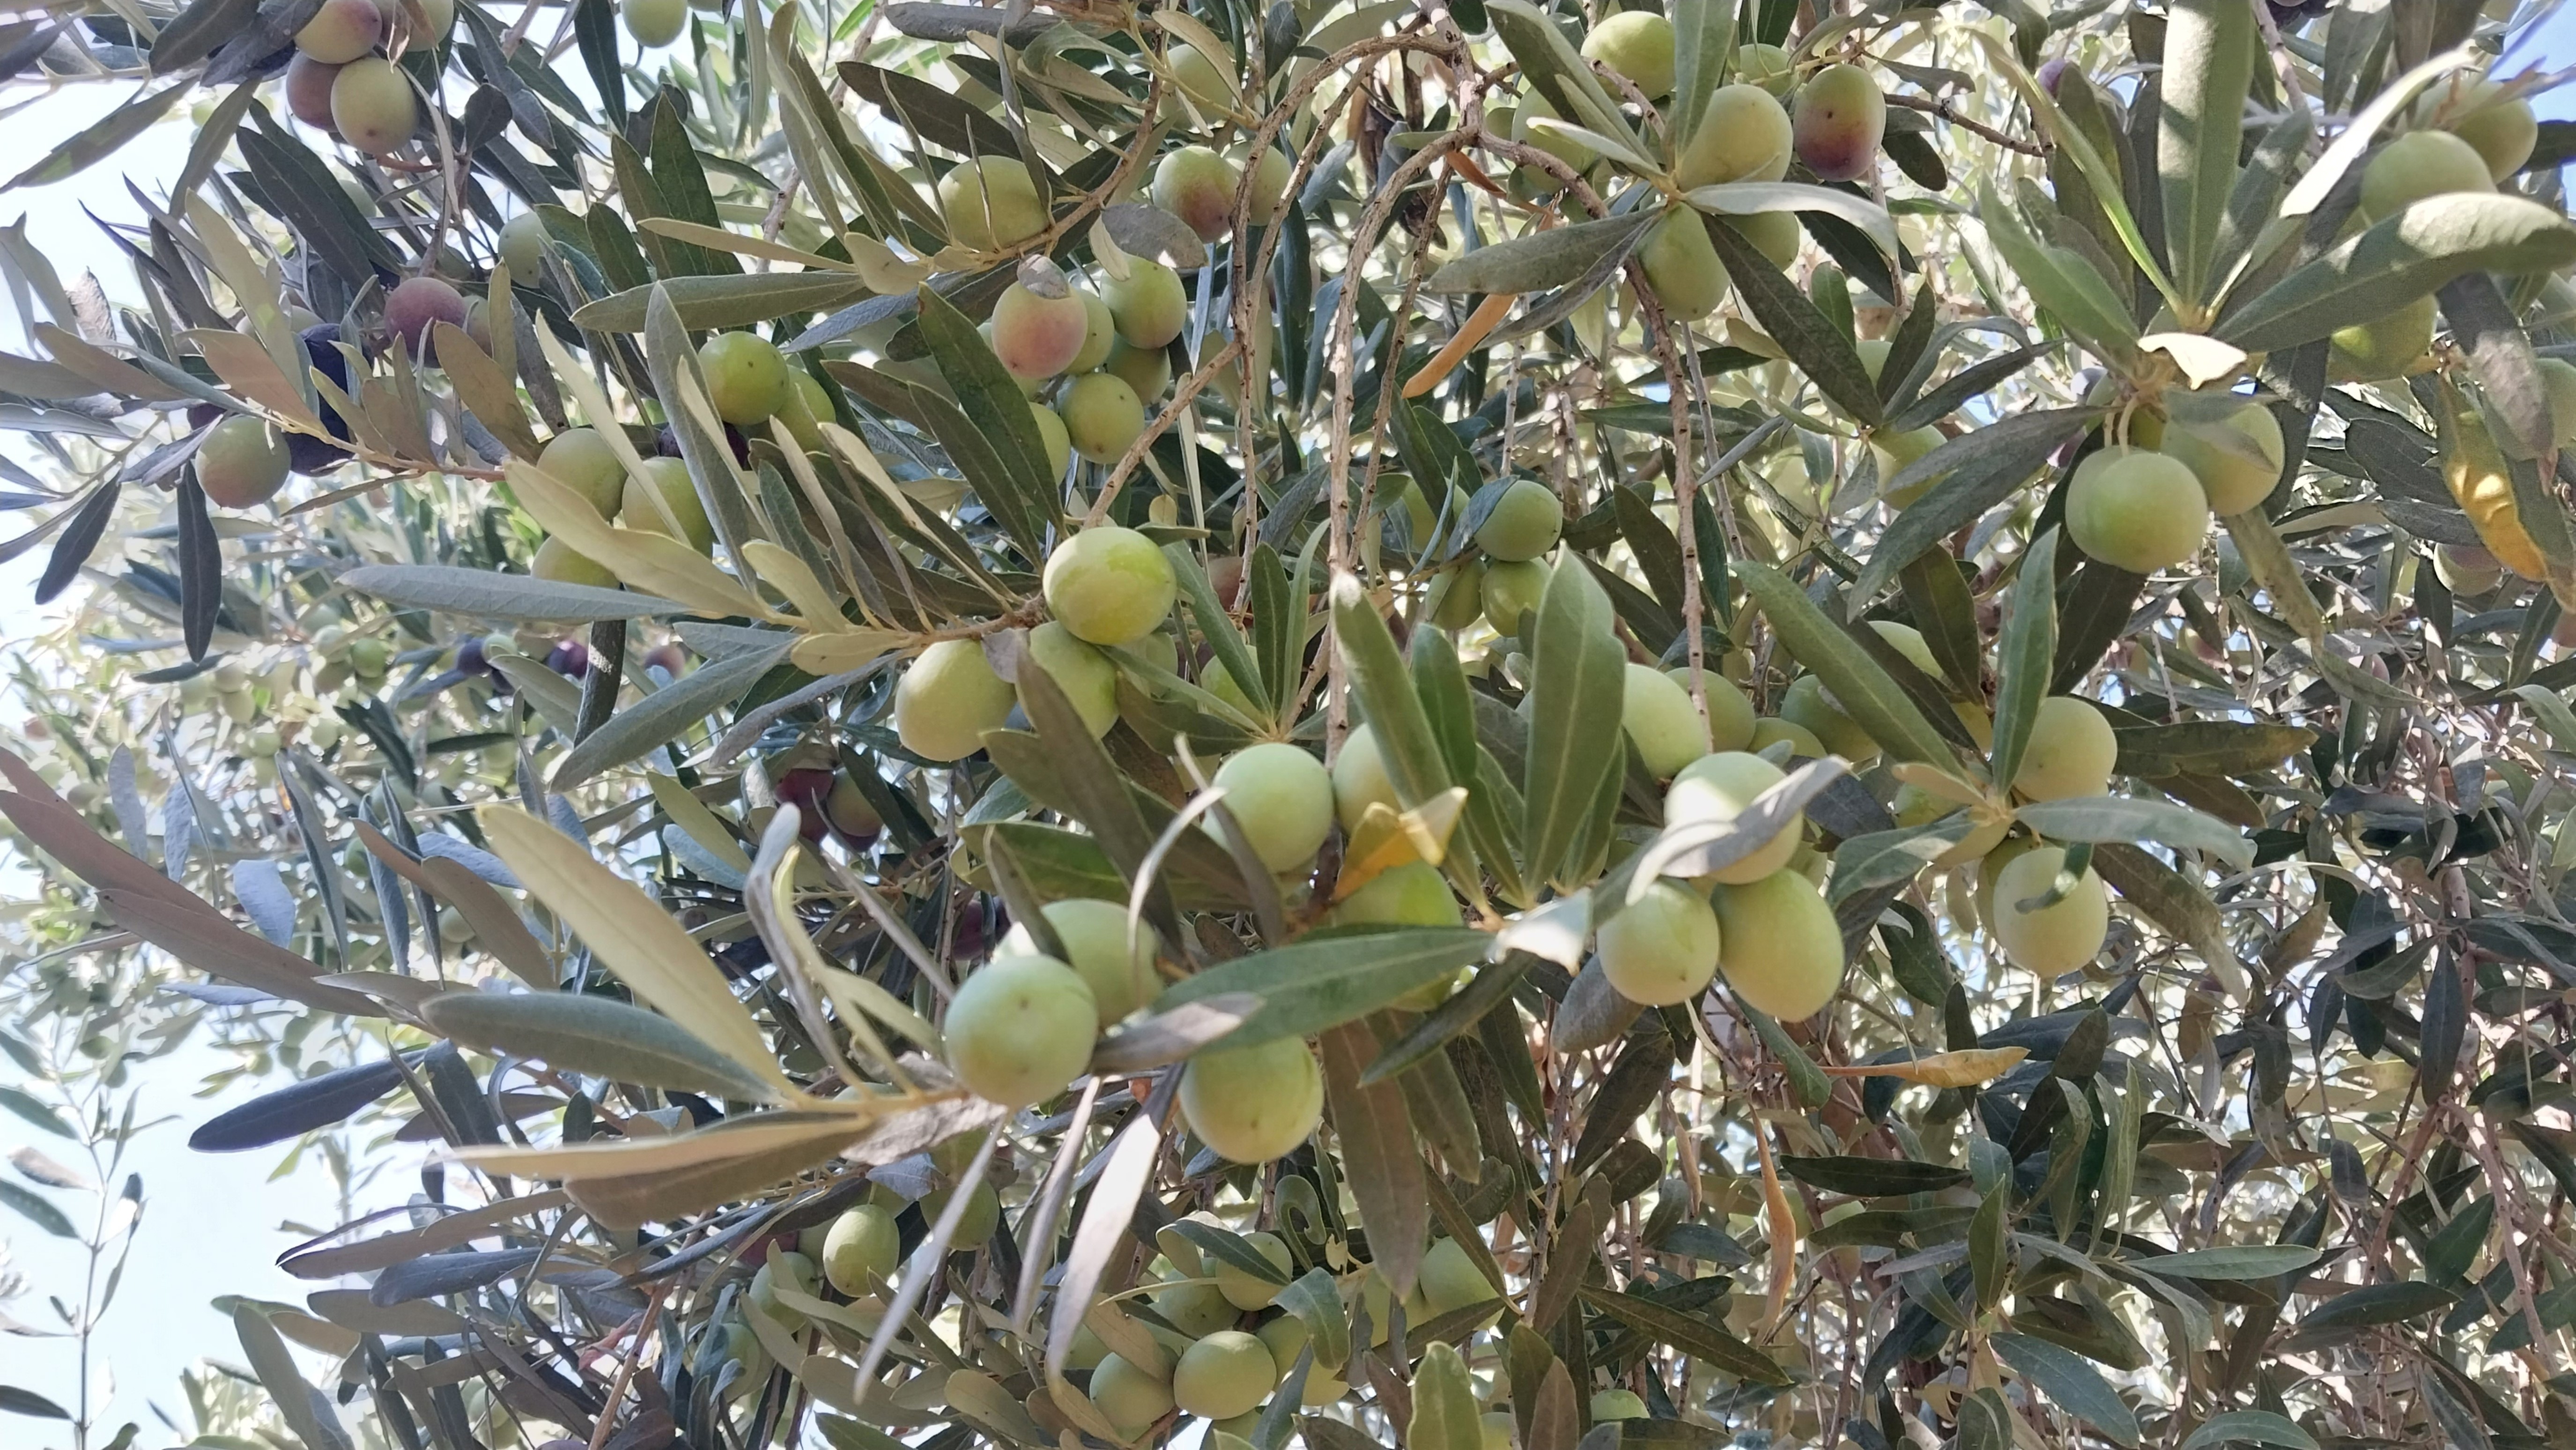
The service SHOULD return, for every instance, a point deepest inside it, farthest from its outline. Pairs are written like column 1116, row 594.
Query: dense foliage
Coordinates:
column 1491, row 727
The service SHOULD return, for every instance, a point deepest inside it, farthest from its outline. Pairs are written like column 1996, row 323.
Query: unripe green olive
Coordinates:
column 1775, row 234
column 1223, row 1375
column 1510, row 590
column 785, row 1269
column 1131, row 1398
column 1268, row 195
column 556, row 560
column 862, row 1247
column 1148, row 305
column 1253, row 1104
column 1806, row 705
column 1102, row 416
column 991, row 204
column 372, row 106
column 975, row 1223
column 747, row 377
column 1196, row 1310
column 1099, row 331
column 1197, row 185
column 1202, row 78
column 1020, row 1029
column 341, row 31
column 1244, row 1290
column 1767, row 66
column 1838, row 121
column 523, row 247
column 1682, row 265
column 1718, row 788
column 1661, row 721
column 1636, row 45
column 1744, row 135
column 654, row 23
column 1535, row 107
column 1525, row 523
column 2054, row 939
column 1413, row 894
column 242, row 463
column 1730, row 713
column 1107, row 584
column 2417, row 165
column 1891, row 452
column 948, row 697
column 2385, row 346
column 1085, row 675
column 1360, row 778
column 1287, row 1338
column 1617, row 1404
column 2136, row 510
column 2237, row 456
column 1451, row 1281
column 2071, row 751
column 2502, row 128
column 1147, row 371
column 1783, row 948
column 1095, row 941
column 581, row 460
column 1282, row 799
column 667, row 479
column 1662, row 948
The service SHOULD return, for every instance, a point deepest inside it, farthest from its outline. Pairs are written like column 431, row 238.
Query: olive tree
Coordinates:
column 1487, row 726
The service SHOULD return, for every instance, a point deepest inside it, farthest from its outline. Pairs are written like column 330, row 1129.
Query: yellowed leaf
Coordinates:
column 1386, row 839
column 732, row 1140
column 250, row 372
column 655, row 563
column 1967, row 1067
column 834, row 654
column 630, row 932
column 702, row 825
column 853, row 995
column 718, row 239
column 816, row 609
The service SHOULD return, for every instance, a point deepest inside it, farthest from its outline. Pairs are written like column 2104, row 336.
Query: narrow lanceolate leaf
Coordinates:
column 1578, row 675
column 2249, row 1427
column 2244, row 1261
column 1976, row 471
column 1380, row 1159
column 483, row 594
column 2398, row 260
column 36, row 1209
column 307, row 1414
column 1874, row 702
column 725, row 301
column 1703, row 36
column 1323, row 982
column 1871, row 1177
column 1541, row 260
column 595, row 1035
column 1752, row 198
column 2133, row 819
column 629, row 931
column 2025, row 657
column 662, row 716
column 1445, row 1412
column 2210, row 50
column 1820, row 347
column 2072, row 1382
column 1385, row 687
column 292, row 1111
column 1699, row 1338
